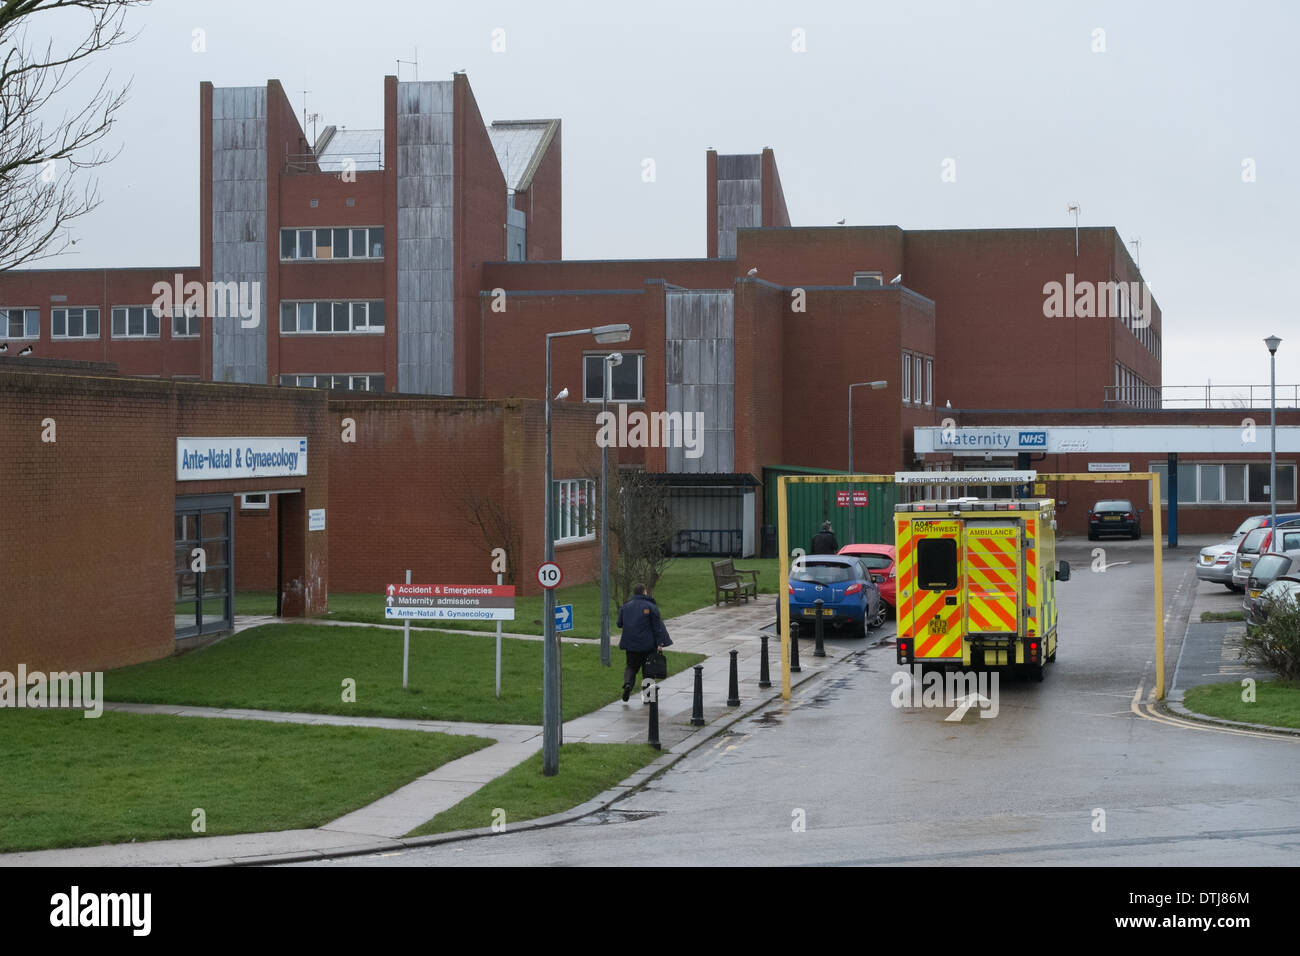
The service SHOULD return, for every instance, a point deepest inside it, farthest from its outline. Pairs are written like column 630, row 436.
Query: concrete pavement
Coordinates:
column 712, row 631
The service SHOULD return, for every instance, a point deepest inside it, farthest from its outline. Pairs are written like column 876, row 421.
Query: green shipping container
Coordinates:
column 808, row 505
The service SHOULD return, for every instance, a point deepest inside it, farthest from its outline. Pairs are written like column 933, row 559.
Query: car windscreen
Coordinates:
column 823, row 572
column 1253, row 540
column 1113, row 505
column 1270, row 566
column 1247, row 526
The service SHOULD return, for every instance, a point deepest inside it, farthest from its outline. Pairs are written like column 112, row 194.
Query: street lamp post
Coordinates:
column 1272, row 342
column 853, row 512
column 550, row 648
column 613, row 360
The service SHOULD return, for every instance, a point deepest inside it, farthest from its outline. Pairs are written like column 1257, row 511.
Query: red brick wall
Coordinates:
column 86, row 552
column 256, row 547
column 102, row 288
column 774, row 211
column 607, row 274
column 541, row 203
column 402, row 495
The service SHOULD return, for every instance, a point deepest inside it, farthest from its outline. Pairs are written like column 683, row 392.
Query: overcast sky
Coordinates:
column 1146, row 124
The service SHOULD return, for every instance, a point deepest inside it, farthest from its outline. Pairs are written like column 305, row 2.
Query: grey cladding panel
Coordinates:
column 700, row 377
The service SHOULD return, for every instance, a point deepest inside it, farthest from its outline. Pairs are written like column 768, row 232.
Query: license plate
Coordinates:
column 1246, row 564
column 1206, row 559
column 1111, row 518
column 938, row 625
column 812, row 612
column 1255, row 592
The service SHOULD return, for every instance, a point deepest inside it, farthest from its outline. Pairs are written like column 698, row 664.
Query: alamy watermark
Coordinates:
column 78, row 690
column 624, row 429
column 958, row 690
column 1088, row 300
column 212, row 300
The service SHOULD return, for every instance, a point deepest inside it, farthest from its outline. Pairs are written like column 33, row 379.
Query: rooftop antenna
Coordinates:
column 1137, row 251
column 412, row 63
column 304, row 113
column 1073, row 210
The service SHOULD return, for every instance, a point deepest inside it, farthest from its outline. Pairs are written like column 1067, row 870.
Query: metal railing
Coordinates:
column 1199, row 396
column 311, row 163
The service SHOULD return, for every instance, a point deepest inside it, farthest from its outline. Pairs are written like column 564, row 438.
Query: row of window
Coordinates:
column 626, row 381
column 918, row 379
column 81, row 322
column 1225, row 483
column 359, row 316
column 1129, row 310
column 1132, row 390
column 348, row 242
column 348, row 382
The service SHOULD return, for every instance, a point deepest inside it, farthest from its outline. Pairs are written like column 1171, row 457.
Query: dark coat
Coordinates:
column 642, row 626
column 824, row 542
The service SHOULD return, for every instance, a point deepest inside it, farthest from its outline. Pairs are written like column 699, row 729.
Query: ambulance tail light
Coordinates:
column 904, row 650
column 1035, row 652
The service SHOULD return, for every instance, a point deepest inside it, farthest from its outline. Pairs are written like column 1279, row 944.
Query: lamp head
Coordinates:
column 609, row 334
column 1272, row 342
column 614, row 359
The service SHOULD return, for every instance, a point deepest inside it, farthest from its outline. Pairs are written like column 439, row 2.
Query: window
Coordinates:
column 867, row 279
column 366, row 382
column 135, row 322
column 917, row 367
column 257, row 502
column 936, row 564
column 185, row 321
column 22, row 323
column 1234, row 482
column 573, row 511
column 626, row 381
column 342, row 242
column 907, row 378
column 367, row 316
column 929, row 382
column 74, row 323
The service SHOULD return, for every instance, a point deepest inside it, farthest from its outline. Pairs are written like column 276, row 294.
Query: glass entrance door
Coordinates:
column 203, row 567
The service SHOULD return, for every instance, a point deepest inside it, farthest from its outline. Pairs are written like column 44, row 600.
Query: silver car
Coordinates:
column 1214, row 563
column 1258, row 541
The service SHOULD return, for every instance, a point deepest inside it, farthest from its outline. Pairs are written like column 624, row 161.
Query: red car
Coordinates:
column 880, row 559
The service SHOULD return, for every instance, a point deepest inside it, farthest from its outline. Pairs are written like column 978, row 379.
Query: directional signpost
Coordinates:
column 447, row 602
column 564, row 617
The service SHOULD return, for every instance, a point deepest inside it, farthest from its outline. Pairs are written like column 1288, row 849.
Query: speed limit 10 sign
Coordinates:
column 549, row 575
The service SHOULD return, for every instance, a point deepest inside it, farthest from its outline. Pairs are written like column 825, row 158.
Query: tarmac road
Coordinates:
column 877, row 784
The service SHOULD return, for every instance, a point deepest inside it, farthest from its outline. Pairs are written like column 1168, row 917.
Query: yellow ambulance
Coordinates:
column 976, row 582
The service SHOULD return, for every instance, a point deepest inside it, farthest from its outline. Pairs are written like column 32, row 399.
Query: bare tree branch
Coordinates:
column 46, row 146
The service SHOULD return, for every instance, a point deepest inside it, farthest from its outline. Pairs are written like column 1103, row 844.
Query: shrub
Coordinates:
column 1275, row 644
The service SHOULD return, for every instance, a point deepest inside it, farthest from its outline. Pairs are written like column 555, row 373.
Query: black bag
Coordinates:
column 655, row 666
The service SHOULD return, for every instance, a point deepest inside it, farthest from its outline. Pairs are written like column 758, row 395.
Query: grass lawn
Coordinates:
column 69, row 781
column 254, row 602
column 302, row 667
column 1276, row 702
column 586, row 770
column 686, row 585
column 1212, row 616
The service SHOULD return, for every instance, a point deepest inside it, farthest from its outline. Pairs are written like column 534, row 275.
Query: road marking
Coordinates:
column 1150, row 713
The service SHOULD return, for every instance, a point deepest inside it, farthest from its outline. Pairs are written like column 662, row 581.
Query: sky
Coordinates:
column 1174, row 122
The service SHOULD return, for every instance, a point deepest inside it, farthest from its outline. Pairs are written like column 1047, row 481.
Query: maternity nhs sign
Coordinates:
column 208, row 459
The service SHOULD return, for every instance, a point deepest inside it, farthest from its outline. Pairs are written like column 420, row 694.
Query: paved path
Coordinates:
column 713, row 632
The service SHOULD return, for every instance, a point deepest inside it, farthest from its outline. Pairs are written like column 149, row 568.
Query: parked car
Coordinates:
column 1273, row 566
column 1114, row 516
column 1214, row 563
column 843, row 583
column 881, row 562
column 1283, row 590
column 1260, row 541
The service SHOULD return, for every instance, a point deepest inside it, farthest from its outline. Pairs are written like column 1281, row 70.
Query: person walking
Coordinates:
column 824, row 542
column 643, row 633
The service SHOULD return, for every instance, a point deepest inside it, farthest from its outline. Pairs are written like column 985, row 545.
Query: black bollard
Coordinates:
column 794, row 649
column 697, row 706
column 820, row 649
column 653, row 693
column 764, row 677
column 733, row 684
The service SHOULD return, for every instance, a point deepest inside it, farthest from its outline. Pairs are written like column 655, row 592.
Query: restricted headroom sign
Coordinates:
column 450, row 602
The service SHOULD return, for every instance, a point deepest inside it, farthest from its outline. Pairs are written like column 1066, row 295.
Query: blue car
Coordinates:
column 843, row 583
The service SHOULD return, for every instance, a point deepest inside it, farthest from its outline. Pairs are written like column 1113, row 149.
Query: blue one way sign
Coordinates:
column 564, row 617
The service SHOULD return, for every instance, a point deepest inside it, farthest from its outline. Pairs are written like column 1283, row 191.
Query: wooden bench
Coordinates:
column 729, row 584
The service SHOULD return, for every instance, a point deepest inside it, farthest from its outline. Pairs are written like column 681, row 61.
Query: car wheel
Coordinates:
column 1092, row 536
column 1137, row 533
column 881, row 615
